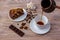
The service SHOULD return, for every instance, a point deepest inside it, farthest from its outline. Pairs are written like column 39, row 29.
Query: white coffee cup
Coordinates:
column 40, row 29
column 44, row 20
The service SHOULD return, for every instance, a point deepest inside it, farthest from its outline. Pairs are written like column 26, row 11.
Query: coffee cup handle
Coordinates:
column 58, row 7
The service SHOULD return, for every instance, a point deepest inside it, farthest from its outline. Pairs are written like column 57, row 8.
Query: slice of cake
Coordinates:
column 15, row 13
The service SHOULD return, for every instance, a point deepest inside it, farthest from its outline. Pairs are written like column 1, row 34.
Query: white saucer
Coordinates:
column 38, row 30
column 21, row 17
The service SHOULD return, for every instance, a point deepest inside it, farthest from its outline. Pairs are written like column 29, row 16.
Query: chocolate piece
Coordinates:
column 19, row 32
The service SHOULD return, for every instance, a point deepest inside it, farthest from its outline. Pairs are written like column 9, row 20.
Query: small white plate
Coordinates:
column 21, row 17
column 35, row 29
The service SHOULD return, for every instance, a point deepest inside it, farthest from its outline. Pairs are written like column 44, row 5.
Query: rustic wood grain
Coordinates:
column 8, row 34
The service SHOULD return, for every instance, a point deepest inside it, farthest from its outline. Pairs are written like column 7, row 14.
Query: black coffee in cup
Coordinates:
column 40, row 23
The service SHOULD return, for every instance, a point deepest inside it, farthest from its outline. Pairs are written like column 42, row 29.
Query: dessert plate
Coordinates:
column 21, row 17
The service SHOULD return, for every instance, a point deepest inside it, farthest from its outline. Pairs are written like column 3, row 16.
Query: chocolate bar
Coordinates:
column 19, row 32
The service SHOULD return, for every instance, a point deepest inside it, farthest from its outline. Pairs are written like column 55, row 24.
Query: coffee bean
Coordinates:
column 17, row 24
column 25, row 27
column 23, row 24
column 29, row 21
column 21, row 27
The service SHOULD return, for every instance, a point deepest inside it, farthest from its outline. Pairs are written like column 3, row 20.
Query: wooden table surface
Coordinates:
column 8, row 34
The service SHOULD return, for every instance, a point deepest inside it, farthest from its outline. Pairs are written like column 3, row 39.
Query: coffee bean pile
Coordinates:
column 28, row 19
column 30, row 16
